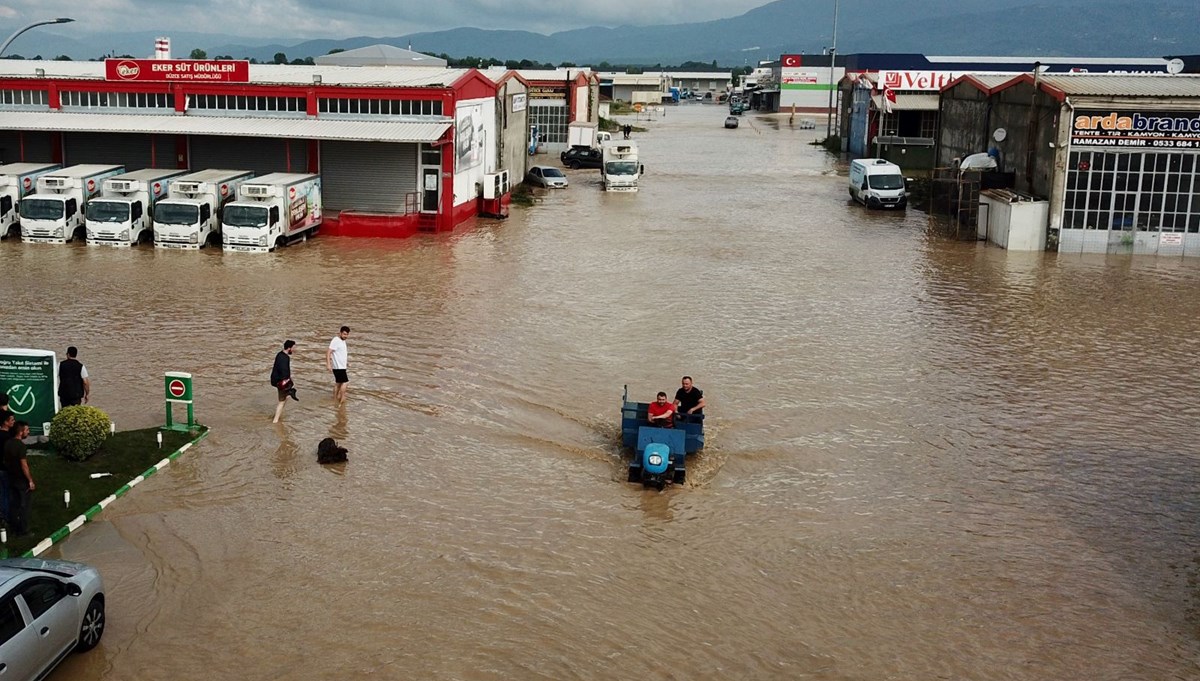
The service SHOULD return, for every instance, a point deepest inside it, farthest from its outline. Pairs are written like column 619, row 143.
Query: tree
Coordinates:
column 198, row 54
column 336, row 50
column 280, row 58
column 62, row 57
column 567, row 65
column 223, row 56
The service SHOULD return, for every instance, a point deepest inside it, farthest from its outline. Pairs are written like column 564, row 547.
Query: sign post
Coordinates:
column 30, row 379
column 177, row 389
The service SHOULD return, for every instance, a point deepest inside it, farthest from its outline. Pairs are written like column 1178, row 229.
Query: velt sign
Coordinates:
column 30, row 379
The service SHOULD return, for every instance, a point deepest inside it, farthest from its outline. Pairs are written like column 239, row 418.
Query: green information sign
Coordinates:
column 30, row 379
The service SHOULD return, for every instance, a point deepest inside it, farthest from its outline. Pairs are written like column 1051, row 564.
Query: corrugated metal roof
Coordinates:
column 991, row 80
column 1124, row 85
column 309, row 128
column 909, row 102
column 272, row 74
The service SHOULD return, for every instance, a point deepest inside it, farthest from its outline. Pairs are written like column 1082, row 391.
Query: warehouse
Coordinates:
column 555, row 99
column 399, row 148
column 1117, row 156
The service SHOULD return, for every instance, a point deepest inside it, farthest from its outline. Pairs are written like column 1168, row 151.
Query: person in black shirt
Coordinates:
column 73, row 384
column 7, row 421
column 20, row 480
column 281, row 377
column 689, row 399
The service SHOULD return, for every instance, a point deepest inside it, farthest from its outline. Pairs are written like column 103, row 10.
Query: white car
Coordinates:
column 47, row 609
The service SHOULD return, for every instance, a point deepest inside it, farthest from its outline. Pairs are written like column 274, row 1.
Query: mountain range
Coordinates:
column 948, row 27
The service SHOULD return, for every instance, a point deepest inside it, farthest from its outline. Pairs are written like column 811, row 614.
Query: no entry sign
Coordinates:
column 178, row 386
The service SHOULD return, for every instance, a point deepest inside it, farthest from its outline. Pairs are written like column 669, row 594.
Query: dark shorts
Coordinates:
column 340, row 376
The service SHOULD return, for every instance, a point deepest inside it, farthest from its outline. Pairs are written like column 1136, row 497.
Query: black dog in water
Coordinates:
column 328, row 451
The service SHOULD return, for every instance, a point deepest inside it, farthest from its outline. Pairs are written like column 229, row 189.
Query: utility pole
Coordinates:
column 832, row 56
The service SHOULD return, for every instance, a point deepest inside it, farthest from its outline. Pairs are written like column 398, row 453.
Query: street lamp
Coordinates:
column 60, row 20
column 832, row 55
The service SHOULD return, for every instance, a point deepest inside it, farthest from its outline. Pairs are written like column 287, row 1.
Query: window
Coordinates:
column 551, row 122
column 379, row 107
column 1143, row 191
column 41, row 594
column 15, row 98
column 76, row 99
column 11, row 622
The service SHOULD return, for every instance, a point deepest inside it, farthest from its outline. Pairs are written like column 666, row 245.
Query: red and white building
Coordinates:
column 400, row 149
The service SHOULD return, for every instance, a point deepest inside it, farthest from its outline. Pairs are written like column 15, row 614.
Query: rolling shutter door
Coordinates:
column 36, row 146
column 260, row 154
column 132, row 151
column 367, row 175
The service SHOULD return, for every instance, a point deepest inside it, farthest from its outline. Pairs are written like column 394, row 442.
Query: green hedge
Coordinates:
column 78, row 432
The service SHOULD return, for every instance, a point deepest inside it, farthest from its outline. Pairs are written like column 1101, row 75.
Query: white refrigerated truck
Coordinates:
column 17, row 180
column 55, row 213
column 272, row 210
column 121, row 215
column 190, row 216
column 620, row 168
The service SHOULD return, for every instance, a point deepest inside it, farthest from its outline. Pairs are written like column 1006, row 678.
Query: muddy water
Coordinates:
column 926, row 459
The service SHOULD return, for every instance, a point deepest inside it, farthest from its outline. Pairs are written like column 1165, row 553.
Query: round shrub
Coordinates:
column 77, row 432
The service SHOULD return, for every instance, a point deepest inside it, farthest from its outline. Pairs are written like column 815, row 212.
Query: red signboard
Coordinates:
column 177, row 388
column 791, row 61
column 178, row 70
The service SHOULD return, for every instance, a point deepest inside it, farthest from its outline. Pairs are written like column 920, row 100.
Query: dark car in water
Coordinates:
column 581, row 157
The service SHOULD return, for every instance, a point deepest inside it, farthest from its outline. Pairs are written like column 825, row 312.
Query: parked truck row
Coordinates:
column 105, row 205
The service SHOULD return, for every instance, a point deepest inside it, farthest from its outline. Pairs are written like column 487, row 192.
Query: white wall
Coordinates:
column 478, row 156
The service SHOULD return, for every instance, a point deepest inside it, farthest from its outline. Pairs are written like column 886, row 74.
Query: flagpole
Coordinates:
column 832, row 56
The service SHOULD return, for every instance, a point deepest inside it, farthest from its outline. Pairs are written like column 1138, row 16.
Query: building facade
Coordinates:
column 399, row 149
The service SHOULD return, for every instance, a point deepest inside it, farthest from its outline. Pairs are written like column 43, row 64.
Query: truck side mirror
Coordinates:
column 641, row 170
column 6, row 205
column 136, row 210
column 205, row 212
column 274, row 215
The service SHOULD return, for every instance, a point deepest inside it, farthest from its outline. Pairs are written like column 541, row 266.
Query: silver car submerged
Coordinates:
column 48, row 608
column 546, row 176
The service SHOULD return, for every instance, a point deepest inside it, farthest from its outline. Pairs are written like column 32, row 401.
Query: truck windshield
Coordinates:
column 245, row 216
column 107, row 211
column 885, row 181
column 621, row 168
column 176, row 214
column 41, row 209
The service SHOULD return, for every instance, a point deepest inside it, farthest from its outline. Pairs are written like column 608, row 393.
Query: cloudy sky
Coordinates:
column 321, row 18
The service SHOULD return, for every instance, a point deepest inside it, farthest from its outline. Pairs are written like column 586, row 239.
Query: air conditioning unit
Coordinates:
column 256, row 190
column 55, row 182
column 121, row 185
column 495, row 185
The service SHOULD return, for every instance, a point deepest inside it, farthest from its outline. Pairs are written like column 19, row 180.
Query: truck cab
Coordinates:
column 17, row 180
column 621, row 168
column 190, row 216
column 55, row 214
column 121, row 215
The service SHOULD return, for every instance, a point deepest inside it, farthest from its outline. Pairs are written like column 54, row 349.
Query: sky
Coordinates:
column 378, row 18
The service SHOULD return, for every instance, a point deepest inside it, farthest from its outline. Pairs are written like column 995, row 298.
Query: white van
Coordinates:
column 877, row 183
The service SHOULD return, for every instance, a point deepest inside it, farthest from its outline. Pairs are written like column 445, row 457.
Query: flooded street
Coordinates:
column 926, row 459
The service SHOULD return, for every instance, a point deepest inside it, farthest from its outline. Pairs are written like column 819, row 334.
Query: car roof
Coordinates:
column 7, row 573
column 544, row 167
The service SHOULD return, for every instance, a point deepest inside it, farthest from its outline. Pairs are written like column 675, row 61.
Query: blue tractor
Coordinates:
column 659, row 454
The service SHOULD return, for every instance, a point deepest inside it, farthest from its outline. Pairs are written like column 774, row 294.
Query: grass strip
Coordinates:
column 129, row 457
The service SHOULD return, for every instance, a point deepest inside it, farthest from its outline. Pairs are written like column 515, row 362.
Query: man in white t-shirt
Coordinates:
column 336, row 361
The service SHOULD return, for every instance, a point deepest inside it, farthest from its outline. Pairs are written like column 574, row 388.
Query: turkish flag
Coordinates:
column 889, row 99
column 791, row 60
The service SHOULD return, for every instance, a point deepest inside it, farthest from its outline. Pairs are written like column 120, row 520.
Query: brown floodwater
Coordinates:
column 926, row 458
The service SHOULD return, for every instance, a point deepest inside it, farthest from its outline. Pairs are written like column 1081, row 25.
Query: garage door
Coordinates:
column 29, row 147
column 132, row 151
column 368, row 175
column 260, row 154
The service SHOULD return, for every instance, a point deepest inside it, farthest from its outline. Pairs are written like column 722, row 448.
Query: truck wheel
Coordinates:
column 280, row 242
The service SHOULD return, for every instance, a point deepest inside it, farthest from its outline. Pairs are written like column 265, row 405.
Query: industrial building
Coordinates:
column 1116, row 156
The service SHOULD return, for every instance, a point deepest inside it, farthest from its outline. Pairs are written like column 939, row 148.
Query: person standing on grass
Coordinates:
column 281, row 377
column 7, row 423
column 20, row 480
column 336, row 360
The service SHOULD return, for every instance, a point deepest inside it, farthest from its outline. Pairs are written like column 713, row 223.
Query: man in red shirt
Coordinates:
column 662, row 412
